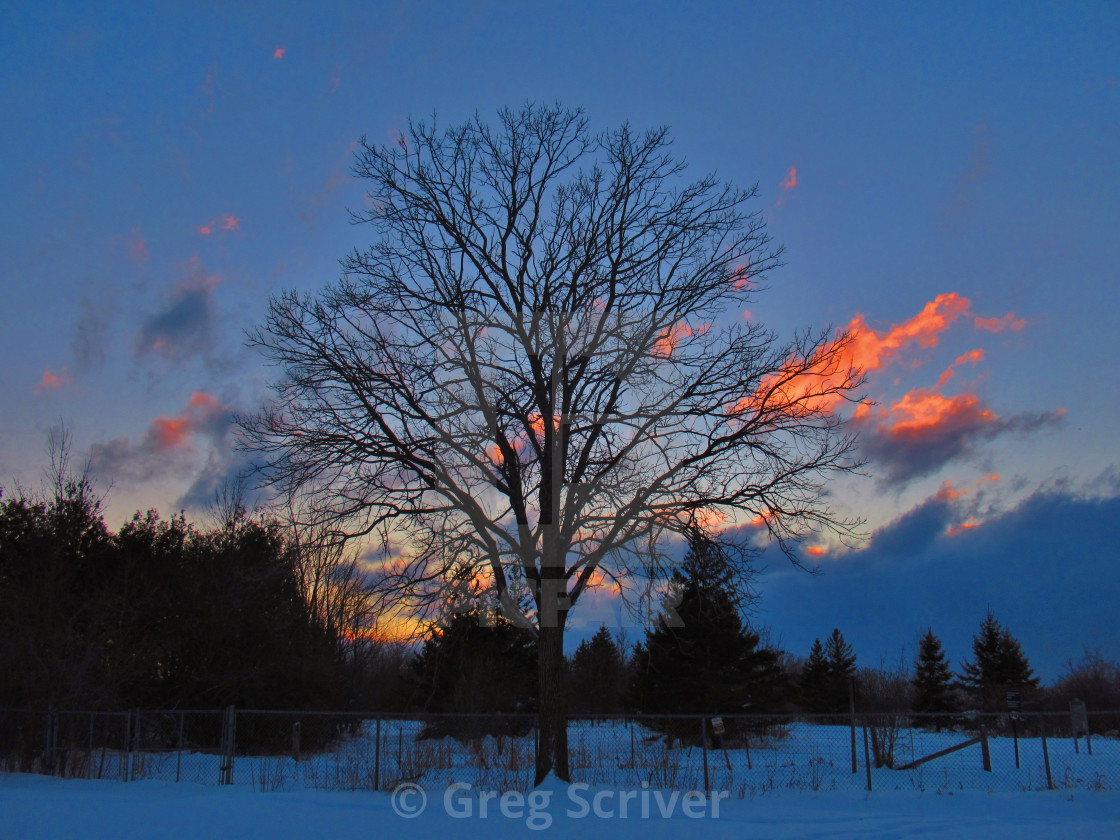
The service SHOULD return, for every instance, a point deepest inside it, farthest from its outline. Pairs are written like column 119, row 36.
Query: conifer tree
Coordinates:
column 841, row 668
column 707, row 661
column 998, row 665
column 932, row 677
column 597, row 674
column 814, row 682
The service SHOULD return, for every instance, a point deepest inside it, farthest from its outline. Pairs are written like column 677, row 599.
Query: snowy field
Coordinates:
column 800, row 757
column 630, row 783
column 42, row 808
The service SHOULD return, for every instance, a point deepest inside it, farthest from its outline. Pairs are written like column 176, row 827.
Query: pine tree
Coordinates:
column 841, row 668
column 597, row 675
column 712, row 663
column 475, row 662
column 932, row 677
column 814, row 681
column 998, row 665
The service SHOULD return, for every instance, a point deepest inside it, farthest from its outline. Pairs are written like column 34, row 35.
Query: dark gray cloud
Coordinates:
column 1046, row 568
column 90, row 344
column 900, row 454
column 184, row 325
column 224, row 468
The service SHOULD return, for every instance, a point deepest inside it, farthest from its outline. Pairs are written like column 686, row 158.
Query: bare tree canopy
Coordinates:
column 540, row 370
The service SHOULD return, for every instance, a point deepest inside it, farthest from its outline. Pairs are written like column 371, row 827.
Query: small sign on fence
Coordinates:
column 1014, row 701
column 1079, row 717
column 717, row 726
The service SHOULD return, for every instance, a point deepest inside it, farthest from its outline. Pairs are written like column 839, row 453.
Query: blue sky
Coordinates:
column 169, row 166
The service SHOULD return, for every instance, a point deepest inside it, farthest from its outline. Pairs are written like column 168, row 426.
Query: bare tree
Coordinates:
column 540, row 369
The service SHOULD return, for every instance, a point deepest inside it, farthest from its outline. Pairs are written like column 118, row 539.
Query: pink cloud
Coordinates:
column 203, row 412
column 53, row 381
column 137, row 247
column 1007, row 322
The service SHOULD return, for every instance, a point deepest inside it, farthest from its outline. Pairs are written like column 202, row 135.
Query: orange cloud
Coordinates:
column 872, row 350
column 816, row 550
column 922, row 410
column 710, row 520
column 788, row 184
column 168, row 432
column 812, row 383
column 278, row 53
column 225, row 223
column 53, row 381
column 974, row 356
column 967, row 525
column 761, row 519
column 670, row 337
column 204, row 413
column 1007, row 322
column 949, row 493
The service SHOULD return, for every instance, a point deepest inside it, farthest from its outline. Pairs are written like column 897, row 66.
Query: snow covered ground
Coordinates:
column 631, row 783
column 800, row 757
column 34, row 807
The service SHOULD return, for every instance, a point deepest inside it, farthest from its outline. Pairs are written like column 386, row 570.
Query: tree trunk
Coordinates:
column 552, row 740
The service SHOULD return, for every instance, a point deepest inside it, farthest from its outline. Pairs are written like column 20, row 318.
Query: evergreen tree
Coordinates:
column 841, row 668
column 711, row 663
column 932, row 677
column 475, row 663
column 597, row 675
column 998, row 666
column 814, row 682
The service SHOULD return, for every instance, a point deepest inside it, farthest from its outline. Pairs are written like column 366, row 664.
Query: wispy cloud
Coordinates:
column 227, row 223
column 925, row 430
column 789, row 183
column 917, row 434
column 1007, row 322
column 165, row 443
column 90, row 342
column 183, row 325
column 138, row 248
column 53, row 381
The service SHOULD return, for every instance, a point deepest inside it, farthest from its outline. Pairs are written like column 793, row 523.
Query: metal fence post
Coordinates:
column 127, row 745
column 133, row 745
column 179, row 750
column 852, row 713
column 1046, row 752
column 866, row 755
column 89, row 758
column 377, row 757
column 704, row 749
column 985, row 752
column 229, row 745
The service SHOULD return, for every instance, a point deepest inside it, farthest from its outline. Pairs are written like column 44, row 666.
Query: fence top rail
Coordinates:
column 572, row 716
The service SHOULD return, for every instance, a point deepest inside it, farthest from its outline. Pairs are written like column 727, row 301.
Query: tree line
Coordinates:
column 166, row 614
column 701, row 657
column 256, row 612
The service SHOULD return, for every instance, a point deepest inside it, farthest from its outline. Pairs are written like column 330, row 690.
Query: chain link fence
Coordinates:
column 745, row 755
